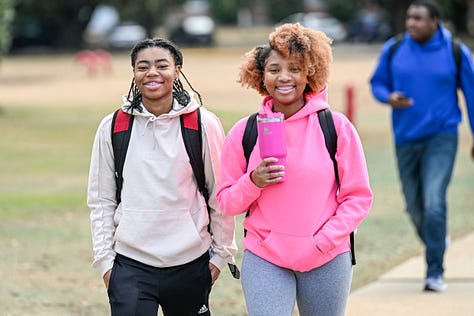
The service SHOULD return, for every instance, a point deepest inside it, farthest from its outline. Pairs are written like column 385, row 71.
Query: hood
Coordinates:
column 314, row 102
column 439, row 39
column 176, row 110
column 445, row 33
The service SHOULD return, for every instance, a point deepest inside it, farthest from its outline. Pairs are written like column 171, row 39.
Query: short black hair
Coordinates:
column 432, row 7
column 160, row 43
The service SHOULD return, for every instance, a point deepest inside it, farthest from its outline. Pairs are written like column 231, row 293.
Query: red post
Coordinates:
column 350, row 106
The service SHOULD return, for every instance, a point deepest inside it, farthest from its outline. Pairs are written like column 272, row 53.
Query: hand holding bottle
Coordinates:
column 266, row 173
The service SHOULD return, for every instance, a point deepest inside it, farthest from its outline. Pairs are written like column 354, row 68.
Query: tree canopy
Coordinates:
column 65, row 21
column 6, row 17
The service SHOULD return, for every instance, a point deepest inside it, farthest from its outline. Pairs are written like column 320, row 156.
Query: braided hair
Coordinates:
column 179, row 93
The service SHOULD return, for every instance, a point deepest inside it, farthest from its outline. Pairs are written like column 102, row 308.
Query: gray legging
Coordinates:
column 271, row 290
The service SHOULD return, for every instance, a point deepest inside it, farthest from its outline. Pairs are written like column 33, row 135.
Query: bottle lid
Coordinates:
column 270, row 117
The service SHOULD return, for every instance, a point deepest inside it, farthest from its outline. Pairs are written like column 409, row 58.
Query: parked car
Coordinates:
column 102, row 21
column 126, row 35
column 193, row 30
column 332, row 27
column 106, row 30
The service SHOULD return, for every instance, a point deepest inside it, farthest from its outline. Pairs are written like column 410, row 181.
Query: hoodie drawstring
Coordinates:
column 151, row 121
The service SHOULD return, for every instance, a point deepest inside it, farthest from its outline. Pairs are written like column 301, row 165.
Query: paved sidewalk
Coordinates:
column 399, row 291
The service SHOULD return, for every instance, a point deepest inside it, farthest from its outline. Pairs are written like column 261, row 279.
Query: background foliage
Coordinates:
column 6, row 17
column 66, row 20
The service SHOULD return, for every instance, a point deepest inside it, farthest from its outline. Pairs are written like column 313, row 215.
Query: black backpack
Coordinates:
column 329, row 130
column 456, row 43
column 191, row 130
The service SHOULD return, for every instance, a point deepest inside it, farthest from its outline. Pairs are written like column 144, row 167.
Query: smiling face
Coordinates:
column 154, row 72
column 420, row 24
column 285, row 80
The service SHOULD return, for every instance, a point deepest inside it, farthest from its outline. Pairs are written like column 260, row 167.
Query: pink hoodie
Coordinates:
column 304, row 222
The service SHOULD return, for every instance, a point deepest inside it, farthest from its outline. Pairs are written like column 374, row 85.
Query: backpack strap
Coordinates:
column 457, row 58
column 330, row 138
column 191, row 129
column 398, row 40
column 121, row 130
column 248, row 143
column 457, row 52
column 192, row 136
column 250, row 136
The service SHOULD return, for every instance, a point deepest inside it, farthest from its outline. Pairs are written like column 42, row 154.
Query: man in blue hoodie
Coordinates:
column 419, row 80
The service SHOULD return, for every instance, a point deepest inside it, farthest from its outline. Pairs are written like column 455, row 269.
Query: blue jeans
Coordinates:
column 425, row 168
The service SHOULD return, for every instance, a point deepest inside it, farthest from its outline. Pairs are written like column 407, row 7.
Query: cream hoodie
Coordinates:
column 162, row 219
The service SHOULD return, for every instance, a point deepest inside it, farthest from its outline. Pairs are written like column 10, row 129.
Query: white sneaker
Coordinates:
column 435, row 284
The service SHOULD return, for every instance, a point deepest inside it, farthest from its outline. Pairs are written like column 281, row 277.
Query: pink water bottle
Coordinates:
column 271, row 137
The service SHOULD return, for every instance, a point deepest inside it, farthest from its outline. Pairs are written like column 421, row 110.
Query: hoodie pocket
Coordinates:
column 159, row 233
column 298, row 253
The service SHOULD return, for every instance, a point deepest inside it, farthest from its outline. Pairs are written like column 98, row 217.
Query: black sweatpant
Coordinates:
column 136, row 289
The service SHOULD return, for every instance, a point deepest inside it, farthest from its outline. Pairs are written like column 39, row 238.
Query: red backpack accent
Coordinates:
column 122, row 122
column 191, row 120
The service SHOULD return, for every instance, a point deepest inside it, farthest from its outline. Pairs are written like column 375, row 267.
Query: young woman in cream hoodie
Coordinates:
column 153, row 248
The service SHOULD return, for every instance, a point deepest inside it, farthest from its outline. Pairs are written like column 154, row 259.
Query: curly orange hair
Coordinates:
column 312, row 46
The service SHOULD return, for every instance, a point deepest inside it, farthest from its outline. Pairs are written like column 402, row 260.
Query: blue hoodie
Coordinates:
column 427, row 74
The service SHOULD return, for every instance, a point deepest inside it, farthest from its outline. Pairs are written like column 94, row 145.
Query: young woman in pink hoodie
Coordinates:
column 297, row 246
